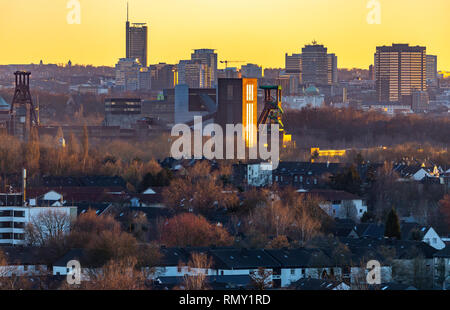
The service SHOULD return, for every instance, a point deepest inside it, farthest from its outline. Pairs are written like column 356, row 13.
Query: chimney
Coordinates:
column 24, row 184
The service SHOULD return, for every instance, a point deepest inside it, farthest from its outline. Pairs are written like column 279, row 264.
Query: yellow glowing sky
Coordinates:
column 257, row 31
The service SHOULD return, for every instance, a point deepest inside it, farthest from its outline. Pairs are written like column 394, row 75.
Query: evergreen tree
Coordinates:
column 392, row 228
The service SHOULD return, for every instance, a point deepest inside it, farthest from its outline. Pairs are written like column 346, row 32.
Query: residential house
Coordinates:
column 338, row 204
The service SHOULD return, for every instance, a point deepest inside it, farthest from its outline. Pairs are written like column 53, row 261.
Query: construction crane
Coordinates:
column 230, row 61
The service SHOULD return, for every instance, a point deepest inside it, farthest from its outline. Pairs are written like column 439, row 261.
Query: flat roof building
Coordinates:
column 399, row 69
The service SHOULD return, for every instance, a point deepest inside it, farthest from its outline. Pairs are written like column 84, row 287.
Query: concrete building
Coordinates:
column 251, row 71
column 399, row 70
column 207, row 57
column 190, row 102
column 127, row 74
column 238, row 104
column 14, row 218
column 432, row 71
column 123, row 112
column 318, row 67
column 420, row 101
column 293, row 64
column 193, row 73
column 163, row 76
column 137, row 41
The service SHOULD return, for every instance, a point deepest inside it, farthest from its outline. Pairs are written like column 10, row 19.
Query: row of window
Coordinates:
column 11, row 213
column 10, row 236
column 12, row 225
column 296, row 179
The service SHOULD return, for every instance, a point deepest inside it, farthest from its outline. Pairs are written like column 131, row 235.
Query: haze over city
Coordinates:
column 252, row 31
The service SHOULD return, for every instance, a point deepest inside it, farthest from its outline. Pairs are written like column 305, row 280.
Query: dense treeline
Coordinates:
column 80, row 156
column 346, row 128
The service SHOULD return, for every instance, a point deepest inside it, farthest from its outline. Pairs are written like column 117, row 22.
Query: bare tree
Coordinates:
column 197, row 267
column 47, row 226
column 116, row 275
column 261, row 279
column 348, row 210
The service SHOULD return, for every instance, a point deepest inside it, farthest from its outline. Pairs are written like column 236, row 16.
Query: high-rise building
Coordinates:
column 193, row 73
column 251, row 71
column 399, row 70
column 293, row 64
column 332, row 69
column 207, row 57
column 163, row 76
column 313, row 66
column 136, row 41
column 127, row 74
column 432, row 72
column 318, row 67
column 238, row 104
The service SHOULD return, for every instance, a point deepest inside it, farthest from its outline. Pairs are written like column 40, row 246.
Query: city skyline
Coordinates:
column 235, row 33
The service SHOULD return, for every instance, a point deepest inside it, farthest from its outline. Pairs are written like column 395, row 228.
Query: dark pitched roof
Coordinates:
column 299, row 258
column 408, row 228
column 152, row 213
column 173, row 257
column 98, row 207
column 242, row 259
column 331, row 195
column 309, row 284
column 404, row 249
column 406, row 171
column 444, row 253
column 372, row 230
column 81, row 194
column 85, row 181
column 73, row 254
column 22, row 255
column 308, row 168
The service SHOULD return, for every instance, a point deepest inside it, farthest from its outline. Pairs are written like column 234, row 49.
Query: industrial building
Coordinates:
column 238, row 104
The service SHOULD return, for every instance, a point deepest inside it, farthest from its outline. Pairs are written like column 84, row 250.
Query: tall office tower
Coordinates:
column 181, row 70
column 251, row 71
column 432, row 72
column 207, row 57
column 399, row 69
column 163, row 76
column 315, row 65
column 238, row 104
column 127, row 74
column 136, row 41
column 332, row 69
column 193, row 73
column 293, row 65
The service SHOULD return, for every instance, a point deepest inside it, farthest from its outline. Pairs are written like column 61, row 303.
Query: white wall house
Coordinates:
column 13, row 221
column 259, row 174
column 432, row 238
